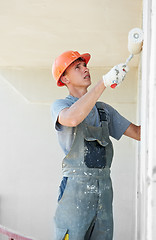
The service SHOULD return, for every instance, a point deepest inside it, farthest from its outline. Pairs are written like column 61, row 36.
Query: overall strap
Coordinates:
column 101, row 111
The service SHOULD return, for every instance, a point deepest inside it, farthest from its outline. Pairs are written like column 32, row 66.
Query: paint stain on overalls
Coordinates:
column 84, row 210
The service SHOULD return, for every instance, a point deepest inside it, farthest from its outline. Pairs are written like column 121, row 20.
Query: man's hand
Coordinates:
column 115, row 76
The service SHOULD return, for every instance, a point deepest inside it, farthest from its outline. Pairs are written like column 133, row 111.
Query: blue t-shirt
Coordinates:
column 116, row 122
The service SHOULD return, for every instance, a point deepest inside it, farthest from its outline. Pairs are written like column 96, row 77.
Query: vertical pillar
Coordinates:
column 147, row 166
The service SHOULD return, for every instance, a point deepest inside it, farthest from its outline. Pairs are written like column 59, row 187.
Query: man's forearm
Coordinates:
column 133, row 131
column 80, row 109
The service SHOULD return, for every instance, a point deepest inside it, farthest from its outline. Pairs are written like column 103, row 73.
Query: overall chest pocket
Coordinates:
column 94, row 154
column 95, row 141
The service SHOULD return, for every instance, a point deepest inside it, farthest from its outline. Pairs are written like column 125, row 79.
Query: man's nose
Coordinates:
column 86, row 69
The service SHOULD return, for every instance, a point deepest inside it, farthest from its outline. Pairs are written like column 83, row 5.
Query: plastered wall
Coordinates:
column 30, row 157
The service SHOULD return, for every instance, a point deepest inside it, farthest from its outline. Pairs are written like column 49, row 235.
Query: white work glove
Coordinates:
column 115, row 76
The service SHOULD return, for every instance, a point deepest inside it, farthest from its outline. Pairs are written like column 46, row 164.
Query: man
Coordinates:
column 83, row 124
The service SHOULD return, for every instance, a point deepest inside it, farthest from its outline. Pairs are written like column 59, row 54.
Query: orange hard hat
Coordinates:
column 63, row 61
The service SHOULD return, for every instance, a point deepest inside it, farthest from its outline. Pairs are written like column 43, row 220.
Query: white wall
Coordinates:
column 30, row 157
column 29, row 163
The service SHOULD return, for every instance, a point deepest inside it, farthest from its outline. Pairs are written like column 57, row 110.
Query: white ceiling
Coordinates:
column 34, row 32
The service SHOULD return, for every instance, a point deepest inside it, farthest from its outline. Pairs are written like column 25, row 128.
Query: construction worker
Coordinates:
column 84, row 126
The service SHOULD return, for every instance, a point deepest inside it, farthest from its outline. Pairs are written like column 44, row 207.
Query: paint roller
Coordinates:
column 135, row 42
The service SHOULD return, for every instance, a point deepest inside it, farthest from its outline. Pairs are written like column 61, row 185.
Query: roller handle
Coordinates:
column 129, row 58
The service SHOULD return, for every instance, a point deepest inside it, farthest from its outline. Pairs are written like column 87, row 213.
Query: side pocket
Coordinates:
column 62, row 187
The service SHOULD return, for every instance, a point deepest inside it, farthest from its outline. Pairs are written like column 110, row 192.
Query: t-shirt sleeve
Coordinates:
column 117, row 123
column 56, row 108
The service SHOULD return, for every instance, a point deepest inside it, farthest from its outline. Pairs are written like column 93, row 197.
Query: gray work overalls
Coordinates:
column 84, row 208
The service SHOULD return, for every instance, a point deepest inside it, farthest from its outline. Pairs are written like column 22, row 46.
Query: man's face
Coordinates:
column 78, row 74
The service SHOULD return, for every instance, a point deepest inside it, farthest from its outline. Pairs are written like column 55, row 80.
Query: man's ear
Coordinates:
column 64, row 79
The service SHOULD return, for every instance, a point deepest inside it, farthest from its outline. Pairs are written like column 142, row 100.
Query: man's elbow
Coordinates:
column 69, row 122
column 73, row 122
